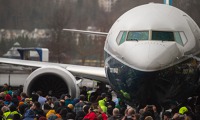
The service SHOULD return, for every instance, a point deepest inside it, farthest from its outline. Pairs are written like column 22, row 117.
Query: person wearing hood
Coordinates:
column 8, row 99
column 102, row 105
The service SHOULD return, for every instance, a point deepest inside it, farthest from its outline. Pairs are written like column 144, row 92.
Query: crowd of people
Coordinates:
column 98, row 105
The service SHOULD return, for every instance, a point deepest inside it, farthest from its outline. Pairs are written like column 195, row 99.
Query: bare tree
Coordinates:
column 59, row 42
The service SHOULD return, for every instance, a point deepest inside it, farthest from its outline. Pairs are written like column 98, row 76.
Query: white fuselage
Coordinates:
column 150, row 54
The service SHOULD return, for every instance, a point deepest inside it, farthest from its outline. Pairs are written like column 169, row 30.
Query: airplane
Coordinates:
column 151, row 56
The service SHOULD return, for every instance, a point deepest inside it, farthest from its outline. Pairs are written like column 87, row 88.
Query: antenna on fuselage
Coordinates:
column 168, row 2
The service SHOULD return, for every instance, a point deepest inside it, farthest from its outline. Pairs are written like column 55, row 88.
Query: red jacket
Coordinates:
column 104, row 116
column 90, row 116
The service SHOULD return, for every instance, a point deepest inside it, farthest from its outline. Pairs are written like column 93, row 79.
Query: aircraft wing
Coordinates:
column 87, row 32
column 93, row 73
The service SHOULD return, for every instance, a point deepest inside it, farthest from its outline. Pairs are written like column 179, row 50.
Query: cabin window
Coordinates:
column 137, row 35
column 163, row 35
column 121, row 37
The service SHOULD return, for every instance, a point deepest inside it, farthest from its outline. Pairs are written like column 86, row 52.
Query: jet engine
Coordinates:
column 51, row 80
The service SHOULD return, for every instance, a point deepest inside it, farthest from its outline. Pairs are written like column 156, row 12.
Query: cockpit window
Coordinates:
column 137, row 35
column 163, row 35
column 176, row 36
column 183, row 37
column 121, row 37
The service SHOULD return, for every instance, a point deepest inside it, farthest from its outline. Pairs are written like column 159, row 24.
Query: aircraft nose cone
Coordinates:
column 152, row 56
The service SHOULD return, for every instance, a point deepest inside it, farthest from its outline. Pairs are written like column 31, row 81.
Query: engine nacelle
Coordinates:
column 55, row 79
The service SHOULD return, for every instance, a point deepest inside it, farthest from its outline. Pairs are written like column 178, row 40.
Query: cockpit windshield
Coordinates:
column 163, row 35
column 176, row 36
column 137, row 35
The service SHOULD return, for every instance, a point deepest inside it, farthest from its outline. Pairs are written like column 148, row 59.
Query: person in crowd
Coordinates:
column 68, row 99
column 15, row 114
column 5, row 87
column 29, row 108
column 2, row 96
column 8, row 99
column 6, row 113
column 61, row 106
column 50, row 113
column 80, row 115
column 29, row 114
column 148, row 118
column 52, row 117
column 41, row 99
column 15, row 100
column 167, row 115
column 23, row 96
column 24, row 106
column 184, row 114
column 36, row 107
column 18, row 91
column 79, row 106
column 102, row 113
column 91, row 115
column 84, row 92
column 150, row 110
column 46, row 108
column 70, row 113
column 63, row 113
column 130, row 112
column 110, row 104
column 74, row 101
column 102, row 105
column 56, row 105
column 34, row 97
column 49, row 101
column 115, row 115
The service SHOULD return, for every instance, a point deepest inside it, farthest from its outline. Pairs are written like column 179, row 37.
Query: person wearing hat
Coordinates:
column 70, row 113
column 181, row 113
column 50, row 112
column 102, row 105
column 101, row 114
column 8, row 99
column 183, row 110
